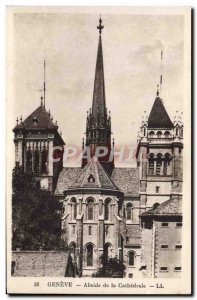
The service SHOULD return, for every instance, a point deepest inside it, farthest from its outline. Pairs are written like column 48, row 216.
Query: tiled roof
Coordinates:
column 169, row 207
column 39, row 119
column 158, row 117
column 93, row 175
column 127, row 180
column 66, row 177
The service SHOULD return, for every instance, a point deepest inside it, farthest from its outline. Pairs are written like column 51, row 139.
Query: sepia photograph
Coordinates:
column 98, row 135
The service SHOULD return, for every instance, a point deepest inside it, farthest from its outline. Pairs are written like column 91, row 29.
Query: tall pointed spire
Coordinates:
column 98, row 125
column 44, row 89
column 98, row 104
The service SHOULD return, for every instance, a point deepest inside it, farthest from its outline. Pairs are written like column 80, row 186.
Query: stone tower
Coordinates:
column 98, row 124
column 35, row 139
column 159, row 157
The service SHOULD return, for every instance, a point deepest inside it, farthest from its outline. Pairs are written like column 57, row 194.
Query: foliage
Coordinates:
column 36, row 219
column 110, row 267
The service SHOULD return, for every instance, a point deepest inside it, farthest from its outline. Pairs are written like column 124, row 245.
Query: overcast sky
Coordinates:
column 131, row 49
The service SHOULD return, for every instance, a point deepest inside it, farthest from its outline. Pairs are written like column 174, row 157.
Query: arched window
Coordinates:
column 107, row 209
column 167, row 134
column 151, row 134
column 159, row 163
column 131, row 258
column 159, row 134
column 29, row 160
column 74, row 208
column 73, row 229
column 44, row 160
column 36, row 161
column 129, row 211
column 90, row 209
column 89, row 255
column 151, row 164
column 166, row 163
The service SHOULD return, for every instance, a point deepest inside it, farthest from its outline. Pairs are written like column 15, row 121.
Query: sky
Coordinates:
column 131, row 51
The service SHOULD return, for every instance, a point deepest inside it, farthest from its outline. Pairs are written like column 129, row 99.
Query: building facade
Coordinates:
column 107, row 210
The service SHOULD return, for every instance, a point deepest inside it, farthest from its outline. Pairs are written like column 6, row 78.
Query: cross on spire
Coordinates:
column 158, row 90
column 41, row 97
column 100, row 27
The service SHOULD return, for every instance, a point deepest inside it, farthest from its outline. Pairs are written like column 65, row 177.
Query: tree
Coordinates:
column 36, row 221
column 110, row 267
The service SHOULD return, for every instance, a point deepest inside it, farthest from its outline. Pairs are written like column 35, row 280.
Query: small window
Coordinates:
column 107, row 230
column 164, row 246
column 90, row 230
column 164, row 224
column 73, row 229
column 130, row 275
column 157, row 189
column 131, row 258
column 177, row 269
column 179, row 224
column 178, row 246
column 159, row 134
column 164, row 269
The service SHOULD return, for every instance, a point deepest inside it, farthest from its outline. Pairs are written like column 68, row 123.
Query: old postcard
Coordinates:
column 98, row 150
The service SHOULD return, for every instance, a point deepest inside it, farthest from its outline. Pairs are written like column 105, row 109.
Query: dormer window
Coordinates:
column 35, row 120
column 91, row 179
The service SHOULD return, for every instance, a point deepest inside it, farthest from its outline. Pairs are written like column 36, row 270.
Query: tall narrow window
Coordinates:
column 166, row 163
column 74, row 208
column 73, row 229
column 44, row 160
column 151, row 164
column 107, row 230
column 90, row 209
column 131, row 258
column 29, row 160
column 36, row 161
column 158, row 165
column 129, row 212
column 89, row 255
column 107, row 209
column 90, row 230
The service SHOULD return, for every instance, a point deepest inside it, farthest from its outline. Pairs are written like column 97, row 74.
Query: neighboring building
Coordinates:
column 35, row 139
column 101, row 203
column 162, row 240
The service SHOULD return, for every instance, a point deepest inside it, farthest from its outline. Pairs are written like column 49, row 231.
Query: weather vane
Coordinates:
column 100, row 27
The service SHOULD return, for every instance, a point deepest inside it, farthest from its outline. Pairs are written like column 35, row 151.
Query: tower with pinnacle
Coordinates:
column 98, row 124
column 35, row 139
column 159, row 156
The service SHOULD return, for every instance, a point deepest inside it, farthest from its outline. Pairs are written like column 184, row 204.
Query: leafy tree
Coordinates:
column 110, row 267
column 36, row 221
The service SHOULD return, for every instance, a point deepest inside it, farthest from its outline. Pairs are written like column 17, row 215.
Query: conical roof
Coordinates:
column 93, row 176
column 159, row 117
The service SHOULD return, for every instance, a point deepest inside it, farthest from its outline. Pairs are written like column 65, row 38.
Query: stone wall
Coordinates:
column 39, row 263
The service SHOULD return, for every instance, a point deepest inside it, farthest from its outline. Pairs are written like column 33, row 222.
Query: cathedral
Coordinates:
column 134, row 214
